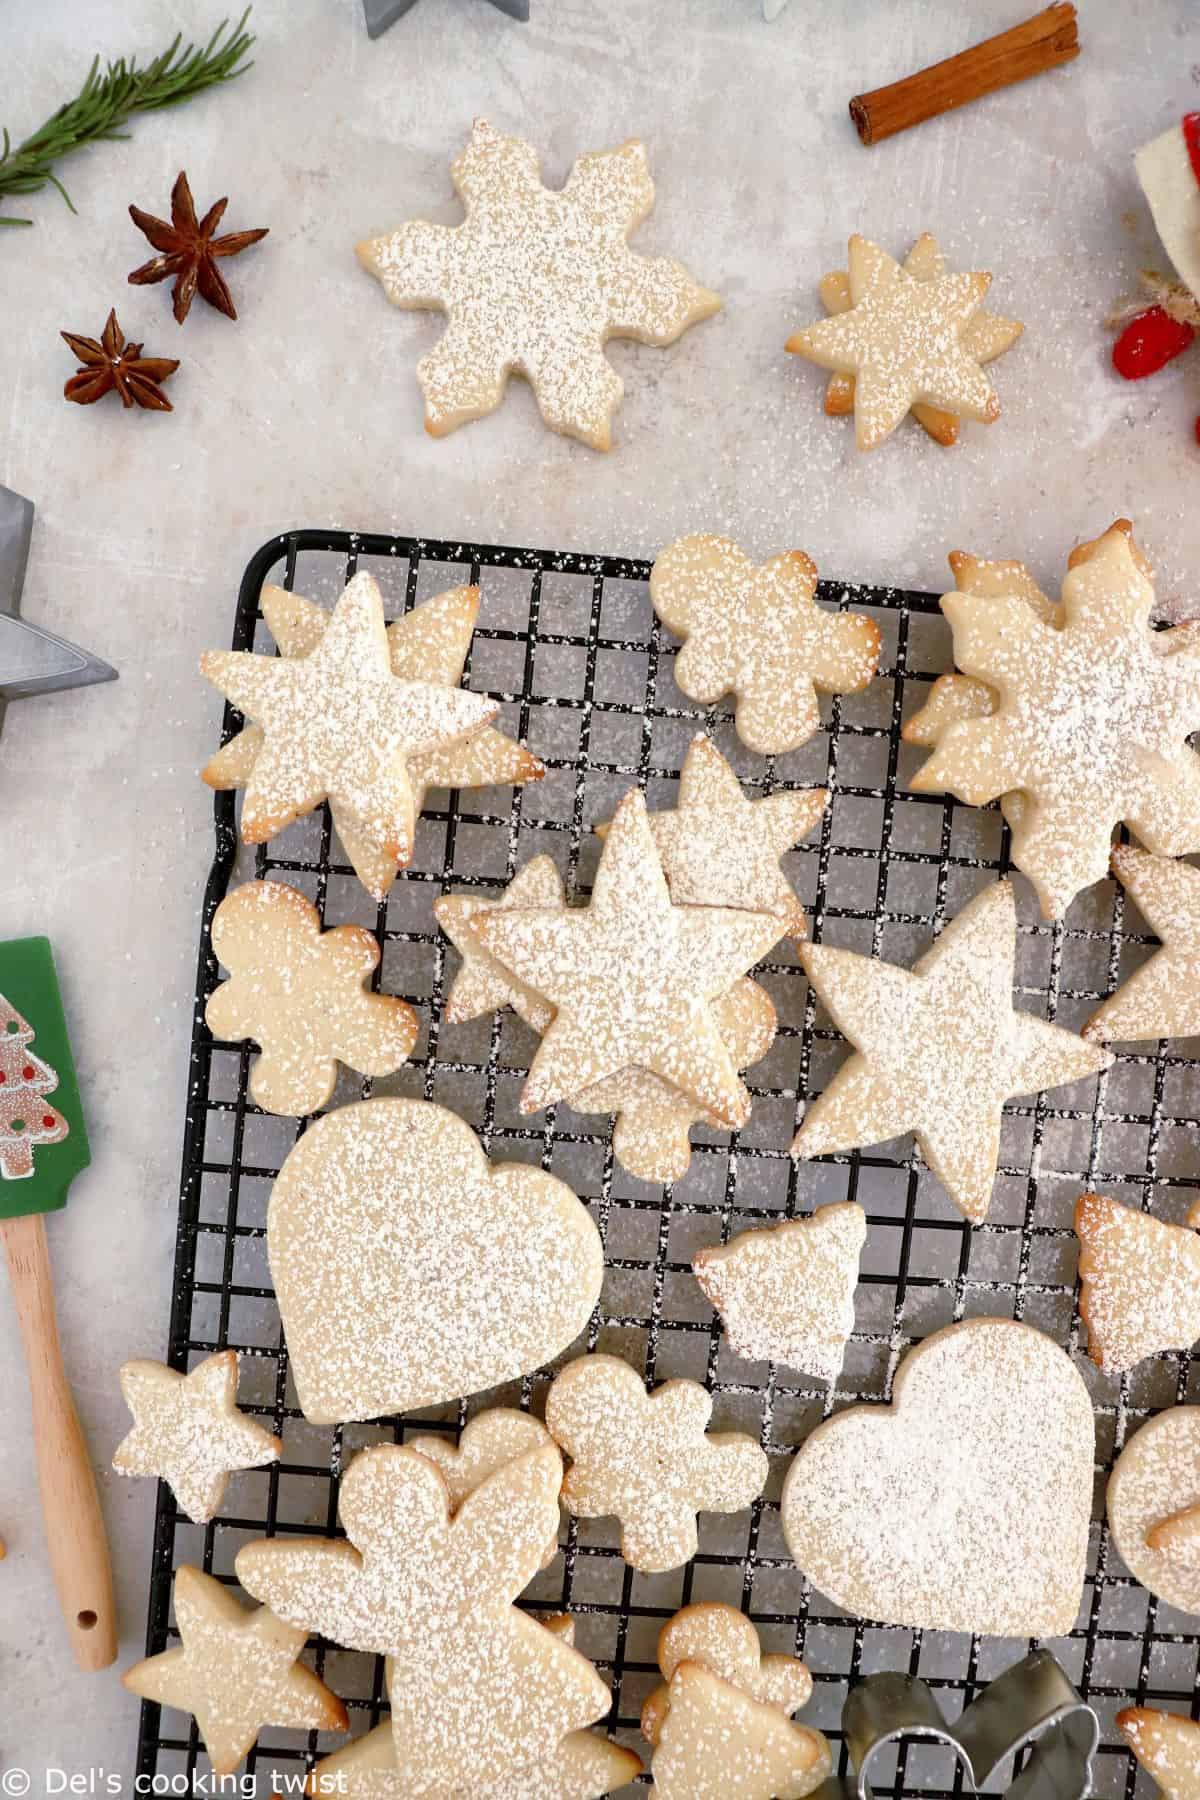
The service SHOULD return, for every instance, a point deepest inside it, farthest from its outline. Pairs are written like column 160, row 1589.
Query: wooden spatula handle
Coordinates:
column 70, row 1506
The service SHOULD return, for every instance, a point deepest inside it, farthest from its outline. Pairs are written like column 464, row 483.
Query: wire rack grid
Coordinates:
column 570, row 644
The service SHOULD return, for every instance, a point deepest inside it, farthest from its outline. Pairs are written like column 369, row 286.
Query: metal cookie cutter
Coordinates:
column 1031, row 1706
column 32, row 661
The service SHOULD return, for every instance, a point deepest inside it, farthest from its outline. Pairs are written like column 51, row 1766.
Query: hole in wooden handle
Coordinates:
column 86, row 1620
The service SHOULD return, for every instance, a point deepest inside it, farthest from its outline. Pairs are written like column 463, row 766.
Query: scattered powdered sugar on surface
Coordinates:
column 536, row 281
column 955, row 1509
column 409, row 1270
column 1156, row 1476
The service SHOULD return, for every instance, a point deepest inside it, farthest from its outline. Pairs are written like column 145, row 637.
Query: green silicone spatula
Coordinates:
column 43, row 1146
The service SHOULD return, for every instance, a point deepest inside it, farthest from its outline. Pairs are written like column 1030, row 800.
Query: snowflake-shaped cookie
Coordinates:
column 1091, row 721
column 646, row 1458
column 758, row 633
column 534, row 282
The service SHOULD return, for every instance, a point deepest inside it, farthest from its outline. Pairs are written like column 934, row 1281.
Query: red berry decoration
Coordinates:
column 1197, row 428
column 1191, row 137
column 1149, row 342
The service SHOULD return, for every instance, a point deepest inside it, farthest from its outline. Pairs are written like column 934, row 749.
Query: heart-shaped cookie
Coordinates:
column 410, row 1271
column 963, row 1506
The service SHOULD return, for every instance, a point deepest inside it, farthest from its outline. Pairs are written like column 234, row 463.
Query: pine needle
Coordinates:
column 108, row 101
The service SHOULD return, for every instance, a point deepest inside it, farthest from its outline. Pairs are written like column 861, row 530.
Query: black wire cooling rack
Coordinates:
column 585, row 673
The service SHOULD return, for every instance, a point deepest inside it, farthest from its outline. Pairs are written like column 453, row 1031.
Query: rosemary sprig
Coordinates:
column 109, row 100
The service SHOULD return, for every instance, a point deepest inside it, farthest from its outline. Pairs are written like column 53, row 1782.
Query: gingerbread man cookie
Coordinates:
column 301, row 993
column 338, row 725
column 534, row 282
column 1154, row 1506
column 431, row 644
column 1139, row 1282
column 758, row 633
column 235, row 1670
column 647, row 1458
column 908, row 337
column 478, row 1689
column 409, row 1270
column 963, row 1506
column 188, row 1431
column 786, row 1294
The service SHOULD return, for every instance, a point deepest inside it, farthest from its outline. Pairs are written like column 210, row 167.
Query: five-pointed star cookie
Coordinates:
column 904, row 339
column 758, row 633
column 719, row 849
column 484, row 985
column 938, row 1049
column 431, row 643
column 236, row 1670
column 1167, row 1745
column 632, row 977
column 1161, row 999
column 1090, row 724
column 534, row 282
column 338, row 725
column 986, row 337
column 187, row 1429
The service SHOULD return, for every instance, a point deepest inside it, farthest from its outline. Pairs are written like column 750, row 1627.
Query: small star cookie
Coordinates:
column 939, row 1049
column 1090, row 725
column 301, row 993
column 483, row 984
column 338, row 725
column 478, row 1688
column 1161, row 999
column 726, row 1642
column 631, row 976
column 904, row 339
column 719, row 849
column 985, row 337
column 1139, row 1280
column 1154, row 1506
column 188, row 1431
column 534, row 282
column 758, row 633
column 1167, row 1745
column 786, row 1294
column 235, row 1670
column 647, row 1459
column 431, row 643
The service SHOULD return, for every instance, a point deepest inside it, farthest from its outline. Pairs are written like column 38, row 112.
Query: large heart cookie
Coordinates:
column 410, row 1271
column 964, row 1505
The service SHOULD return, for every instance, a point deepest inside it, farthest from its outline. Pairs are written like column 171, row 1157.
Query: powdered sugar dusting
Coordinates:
column 1157, row 1476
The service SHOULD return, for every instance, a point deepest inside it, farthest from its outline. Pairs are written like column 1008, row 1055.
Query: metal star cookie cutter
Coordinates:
column 32, row 661
column 1032, row 1706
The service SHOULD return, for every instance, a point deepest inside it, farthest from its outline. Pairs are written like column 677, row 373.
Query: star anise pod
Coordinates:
column 112, row 363
column 190, row 251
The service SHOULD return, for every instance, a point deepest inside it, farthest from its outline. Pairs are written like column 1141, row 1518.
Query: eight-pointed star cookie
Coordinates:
column 1161, row 999
column 430, row 643
column 719, row 849
column 534, row 282
column 647, row 1458
column 478, row 1687
column 904, row 339
column 300, row 992
column 758, row 633
column 631, row 976
column 1167, row 1745
column 235, row 1669
column 986, row 337
column 188, row 1431
column 938, row 1049
column 338, row 725
column 1090, row 725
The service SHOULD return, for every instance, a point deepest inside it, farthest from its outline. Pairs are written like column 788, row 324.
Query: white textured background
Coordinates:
column 307, row 412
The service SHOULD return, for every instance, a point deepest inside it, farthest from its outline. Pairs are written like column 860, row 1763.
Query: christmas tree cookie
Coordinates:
column 534, row 282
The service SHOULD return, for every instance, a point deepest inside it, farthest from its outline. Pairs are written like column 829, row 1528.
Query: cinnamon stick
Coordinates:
column 1043, row 42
